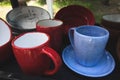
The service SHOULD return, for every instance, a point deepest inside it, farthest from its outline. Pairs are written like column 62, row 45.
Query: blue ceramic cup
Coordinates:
column 88, row 42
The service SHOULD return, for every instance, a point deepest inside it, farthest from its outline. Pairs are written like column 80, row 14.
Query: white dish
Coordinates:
column 25, row 17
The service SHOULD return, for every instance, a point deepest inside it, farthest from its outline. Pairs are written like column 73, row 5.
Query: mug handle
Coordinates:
column 71, row 36
column 55, row 58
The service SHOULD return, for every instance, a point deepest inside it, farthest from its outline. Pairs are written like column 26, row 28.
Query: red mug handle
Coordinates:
column 55, row 58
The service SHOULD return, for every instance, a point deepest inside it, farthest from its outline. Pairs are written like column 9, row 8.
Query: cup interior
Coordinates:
column 112, row 17
column 93, row 31
column 49, row 23
column 5, row 33
column 30, row 40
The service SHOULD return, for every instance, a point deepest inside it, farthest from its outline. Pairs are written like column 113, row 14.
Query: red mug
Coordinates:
column 53, row 27
column 34, row 55
column 5, row 41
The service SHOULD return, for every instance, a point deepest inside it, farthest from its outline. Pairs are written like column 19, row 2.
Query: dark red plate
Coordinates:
column 72, row 21
column 75, row 15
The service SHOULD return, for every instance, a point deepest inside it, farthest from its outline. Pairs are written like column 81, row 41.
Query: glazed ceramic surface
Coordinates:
column 103, row 68
column 53, row 27
column 5, row 40
column 89, row 43
column 79, row 16
column 33, row 54
column 118, row 48
column 111, row 21
column 24, row 18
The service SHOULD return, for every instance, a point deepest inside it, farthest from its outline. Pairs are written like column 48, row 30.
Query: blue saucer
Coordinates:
column 99, row 70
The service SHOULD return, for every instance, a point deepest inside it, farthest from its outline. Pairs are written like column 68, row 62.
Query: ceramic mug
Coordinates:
column 34, row 55
column 112, row 23
column 5, row 41
column 89, row 42
column 53, row 27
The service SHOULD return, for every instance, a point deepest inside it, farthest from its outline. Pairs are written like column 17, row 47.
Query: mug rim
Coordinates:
column 94, row 26
column 105, row 18
column 45, row 26
column 15, row 46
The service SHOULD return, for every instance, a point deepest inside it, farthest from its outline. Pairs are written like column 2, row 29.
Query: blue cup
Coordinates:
column 89, row 42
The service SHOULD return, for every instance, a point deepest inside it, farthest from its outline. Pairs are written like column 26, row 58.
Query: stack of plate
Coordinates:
column 23, row 19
